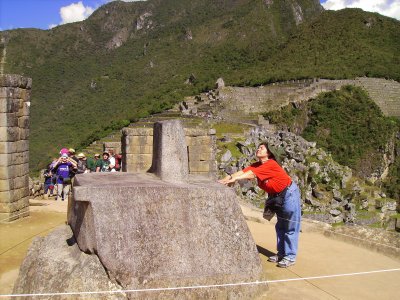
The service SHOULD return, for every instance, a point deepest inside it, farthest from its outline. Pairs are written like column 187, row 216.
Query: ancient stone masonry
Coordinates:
column 385, row 93
column 15, row 93
column 137, row 150
column 233, row 103
column 115, row 146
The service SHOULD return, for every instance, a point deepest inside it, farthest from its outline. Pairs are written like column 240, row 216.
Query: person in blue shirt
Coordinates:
column 63, row 169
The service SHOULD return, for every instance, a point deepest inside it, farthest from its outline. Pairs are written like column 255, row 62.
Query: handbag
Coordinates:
column 268, row 213
column 66, row 180
column 275, row 202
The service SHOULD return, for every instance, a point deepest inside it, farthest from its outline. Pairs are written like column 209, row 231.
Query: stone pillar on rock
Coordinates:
column 137, row 150
column 170, row 153
column 15, row 92
column 166, row 228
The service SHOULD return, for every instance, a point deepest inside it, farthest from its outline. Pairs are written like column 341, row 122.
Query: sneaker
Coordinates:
column 274, row 258
column 284, row 263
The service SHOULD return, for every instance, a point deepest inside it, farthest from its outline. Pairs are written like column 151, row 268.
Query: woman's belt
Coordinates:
column 281, row 192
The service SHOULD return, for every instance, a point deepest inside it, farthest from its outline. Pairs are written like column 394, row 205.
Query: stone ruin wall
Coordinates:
column 15, row 94
column 115, row 146
column 234, row 102
column 137, row 150
column 385, row 93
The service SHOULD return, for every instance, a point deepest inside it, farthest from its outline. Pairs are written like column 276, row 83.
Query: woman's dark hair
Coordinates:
column 271, row 155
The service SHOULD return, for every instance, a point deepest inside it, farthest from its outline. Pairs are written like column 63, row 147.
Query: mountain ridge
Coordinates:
column 83, row 84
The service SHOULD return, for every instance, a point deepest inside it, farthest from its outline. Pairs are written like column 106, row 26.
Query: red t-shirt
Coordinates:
column 270, row 176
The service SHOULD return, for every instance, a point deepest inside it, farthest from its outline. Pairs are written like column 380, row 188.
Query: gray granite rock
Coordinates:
column 54, row 264
column 149, row 233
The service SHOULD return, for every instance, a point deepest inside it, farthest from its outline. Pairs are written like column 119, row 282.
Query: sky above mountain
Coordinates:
column 46, row 14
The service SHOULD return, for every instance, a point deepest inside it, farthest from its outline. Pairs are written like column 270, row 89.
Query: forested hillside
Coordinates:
column 350, row 126
column 131, row 59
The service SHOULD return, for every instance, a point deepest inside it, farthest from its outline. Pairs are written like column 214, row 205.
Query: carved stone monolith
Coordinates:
column 155, row 233
column 170, row 154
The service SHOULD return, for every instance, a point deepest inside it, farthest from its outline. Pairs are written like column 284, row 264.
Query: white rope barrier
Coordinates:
column 200, row 286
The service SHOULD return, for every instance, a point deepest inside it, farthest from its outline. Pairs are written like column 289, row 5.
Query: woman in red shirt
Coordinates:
column 273, row 179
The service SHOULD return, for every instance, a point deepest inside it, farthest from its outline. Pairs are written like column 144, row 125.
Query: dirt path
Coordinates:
column 318, row 256
column 16, row 237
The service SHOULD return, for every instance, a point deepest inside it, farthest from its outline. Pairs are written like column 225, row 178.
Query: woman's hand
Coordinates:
column 228, row 180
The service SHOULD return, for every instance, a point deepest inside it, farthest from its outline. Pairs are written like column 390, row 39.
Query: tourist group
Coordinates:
column 60, row 172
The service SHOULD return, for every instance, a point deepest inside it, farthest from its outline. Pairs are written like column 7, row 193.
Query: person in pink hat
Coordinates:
column 64, row 151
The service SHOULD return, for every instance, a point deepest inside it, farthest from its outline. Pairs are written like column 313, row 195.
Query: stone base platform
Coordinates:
column 149, row 233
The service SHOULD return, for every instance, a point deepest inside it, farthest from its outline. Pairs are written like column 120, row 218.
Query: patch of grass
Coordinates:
column 229, row 146
column 338, row 224
column 376, row 225
column 223, row 129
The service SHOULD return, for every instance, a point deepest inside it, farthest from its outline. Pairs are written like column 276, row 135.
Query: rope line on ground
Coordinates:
column 201, row 286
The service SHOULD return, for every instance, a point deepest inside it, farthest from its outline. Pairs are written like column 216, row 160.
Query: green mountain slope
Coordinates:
column 350, row 126
column 131, row 59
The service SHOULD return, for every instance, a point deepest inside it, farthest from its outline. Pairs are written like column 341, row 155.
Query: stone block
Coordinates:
column 22, row 94
column 149, row 233
column 136, row 140
column 199, row 166
column 13, row 147
column 8, row 120
column 8, row 105
column 23, row 122
column 199, row 141
column 7, row 172
column 22, row 146
column 200, row 153
column 6, row 185
column 24, row 110
column 170, row 158
column 115, row 146
column 14, row 206
column 14, row 195
column 16, row 158
column 196, row 132
column 21, row 182
column 14, row 183
column 8, row 147
column 4, row 95
column 138, row 131
column 12, row 80
column 12, row 216
column 9, row 134
column 137, row 162
column 139, row 149
column 23, row 134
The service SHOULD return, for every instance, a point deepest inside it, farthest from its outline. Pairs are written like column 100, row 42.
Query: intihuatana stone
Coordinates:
column 163, row 234
column 170, row 157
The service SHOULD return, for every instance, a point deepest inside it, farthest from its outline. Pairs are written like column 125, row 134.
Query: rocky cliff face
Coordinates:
column 330, row 192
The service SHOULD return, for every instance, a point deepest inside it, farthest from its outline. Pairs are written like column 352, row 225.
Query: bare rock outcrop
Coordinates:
column 54, row 264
